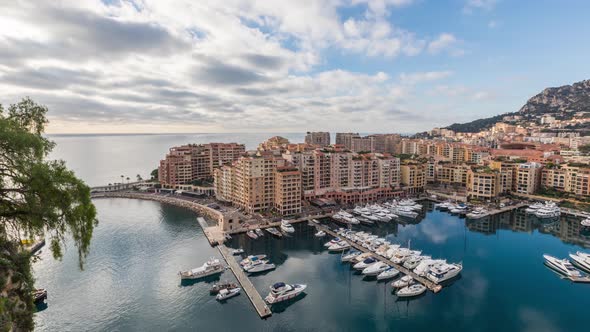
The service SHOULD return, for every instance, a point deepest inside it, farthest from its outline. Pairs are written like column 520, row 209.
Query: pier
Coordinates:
column 504, row 209
column 247, row 286
column 429, row 284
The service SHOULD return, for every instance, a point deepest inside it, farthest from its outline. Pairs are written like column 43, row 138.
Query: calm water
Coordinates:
column 102, row 159
column 130, row 281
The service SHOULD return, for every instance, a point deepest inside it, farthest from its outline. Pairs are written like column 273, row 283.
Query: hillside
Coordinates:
column 562, row 102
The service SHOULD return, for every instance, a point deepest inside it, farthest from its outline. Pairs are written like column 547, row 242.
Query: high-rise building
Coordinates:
column 319, row 138
column 187, row 163
column 528, row 178
column 363, row 144
column 345, row 139
column 413, row 177
column 387, row 143
column 483, row 183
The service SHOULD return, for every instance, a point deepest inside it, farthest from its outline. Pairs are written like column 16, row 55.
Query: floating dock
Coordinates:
column 247, row 286
column 429, row 284
column 504, row 209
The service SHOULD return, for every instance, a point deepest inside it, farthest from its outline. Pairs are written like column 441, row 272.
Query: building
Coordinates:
column 363, row 144
column 413, row 177
column 188, row 163
column 260, row 183
column 528, row 178
column 345, row 139
column 387, row 143
column 319, row 138
column 483, row 183
column 447, row 173
column 572, row 179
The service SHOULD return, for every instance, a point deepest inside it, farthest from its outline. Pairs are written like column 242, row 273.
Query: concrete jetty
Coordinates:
column 429, row 284
column 255, row 298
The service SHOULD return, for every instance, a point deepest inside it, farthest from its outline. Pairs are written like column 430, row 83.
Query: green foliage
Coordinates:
column 154, row 174
column 477, row 125
column 584, row 149
column 39, row 197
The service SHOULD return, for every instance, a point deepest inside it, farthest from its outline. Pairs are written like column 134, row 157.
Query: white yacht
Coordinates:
column 252, row 235
column 459, row 209
column 211, row 267
column 375, row 268
column 550, row 210
column 563, row 266
column 320, row 234
column 264, row 266
column 585, row 222
column 441, row 272
column 582, row 260
column 339, row 246
column 403, row 255
column 333, row 241
column 477, row 213
column 444, row 205
column 425, row 265
column 412, row 290
column 364, row 264
column 259, row 232
column 287, row 227
column 274, row 231
column 360, row 257
column 348, row 257
column 281, row 291
column 370, row 217
column 533, row 207
column 403, row 282
column 389, row 273
column 412, row 262
column 238, row 251
column 227, row 293
column 252, row 258
column 404, row 212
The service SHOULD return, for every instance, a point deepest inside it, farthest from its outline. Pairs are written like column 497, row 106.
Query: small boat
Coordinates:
column 222, row 285
column 412, row 262
column 211, row 267
column 238, row 251
column 320, row 234
column 287, row 227
column 582, row 260
column 389, row 273
column 332, row 242
column 264, row 266
column 252, row 258
column 259, row 232
column 348, row 257
column 441, row 272
column 227, row 293
column 362, row 265
column 403, row 282
column 412, row 290
column 425, row 265
column 274, row 231
column 585, row 222
column 361, row 257
column 281, row 291
column 39, row 295
column 315, row 221
column 252, row 235
column 562, row 266
column 375, row 269
column 477, row 213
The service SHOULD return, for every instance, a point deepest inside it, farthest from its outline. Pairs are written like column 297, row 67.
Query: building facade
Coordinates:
column 318, row 138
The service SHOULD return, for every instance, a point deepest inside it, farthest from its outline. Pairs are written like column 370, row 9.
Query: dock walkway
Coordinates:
column 247, row 286
column 429, row 284
column 505, row 209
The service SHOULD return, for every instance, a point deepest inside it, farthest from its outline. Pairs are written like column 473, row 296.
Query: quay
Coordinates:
column 255, row 298
column 504, row 209
column 429, row 284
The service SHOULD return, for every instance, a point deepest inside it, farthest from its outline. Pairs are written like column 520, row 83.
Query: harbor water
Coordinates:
column 130, row 280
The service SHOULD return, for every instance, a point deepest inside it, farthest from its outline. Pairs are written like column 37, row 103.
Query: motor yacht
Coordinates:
column 281, row 291
column 477, row 213
column 403, row 254
column 320, row 234
column 333, row 241
column 252, row 235
column 259, row 232
column 562, row 266
column 412, row 290
column 425, row 265
column 443, row 206
column 582, row 260
column 405, row 212
column 213, row 266
column 585, row 222
column 287, row 227
column 382, row 217
column 274, row 231
column 389, row 273
column 550, row 210
column 236, row 252
column 375, row 269
column 441, row 272
column 349, row 256
column 339, row 246
column 403, row 282
column 222, row 285
column 252, row 258
column 413, row 261
column 370, row 217
column 365, row 263
column 361, row 257
column 227, row 293
column 264, row 266
column 533, row 207
column 459, row 209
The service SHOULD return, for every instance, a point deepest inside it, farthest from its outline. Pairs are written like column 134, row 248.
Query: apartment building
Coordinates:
column 387, row 143
column 287, row 198
column 318, row 138
column 567, row 178
column 528, row 178
column 187, row 163
column 448, row 173
column 483, row 183
column 345, row 139
column 363, row 144
column 413, row 177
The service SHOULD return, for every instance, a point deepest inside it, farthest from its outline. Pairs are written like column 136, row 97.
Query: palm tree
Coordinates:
column 139, row 178
column 127, row 180
column 122, row 179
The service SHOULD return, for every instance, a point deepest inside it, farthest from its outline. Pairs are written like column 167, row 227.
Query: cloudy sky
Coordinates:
column 285, row 66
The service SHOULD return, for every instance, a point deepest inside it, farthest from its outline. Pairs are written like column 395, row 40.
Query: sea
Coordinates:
column 130, row 280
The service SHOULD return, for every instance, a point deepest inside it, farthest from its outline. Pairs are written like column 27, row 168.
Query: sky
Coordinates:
column 152, row 66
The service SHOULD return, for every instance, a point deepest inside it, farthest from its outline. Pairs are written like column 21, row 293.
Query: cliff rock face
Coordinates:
column 568, row 98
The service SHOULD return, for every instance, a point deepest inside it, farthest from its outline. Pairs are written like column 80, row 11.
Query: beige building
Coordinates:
column 319, row 138
column 483, row 183
column 572, row 179
column 413, row 177
column 528, row 178
column 345, row 139
column 363, row 144
column 287, row 199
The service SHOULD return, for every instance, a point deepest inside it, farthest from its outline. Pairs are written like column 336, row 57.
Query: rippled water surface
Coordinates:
column 130, row 280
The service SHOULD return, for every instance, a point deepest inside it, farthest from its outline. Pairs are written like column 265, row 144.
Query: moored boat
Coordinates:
column 281, row 291
column 252, row 235
column 562, row 266
column 274, row 231
column 320, row 234
column 252, row 258
column 222, row 285
column 227, row 293
column 39, row 295
column 287, row 227
column 375, row 269
column 403, row 282
column 441, row 272
column 264, row 266
column 582, row 260
column 349, row 256
column 211, row 267
column 238, row 251
column 389, row 273
column 412, row 290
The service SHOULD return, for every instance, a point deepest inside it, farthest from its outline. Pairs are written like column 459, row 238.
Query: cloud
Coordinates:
column 420, row 77
column 473, row 5
column 444, row 42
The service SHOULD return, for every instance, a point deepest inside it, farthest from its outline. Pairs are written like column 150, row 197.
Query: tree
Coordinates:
column 139, row 178
column 37, row 198
column 127, row 180
column 154, row 174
